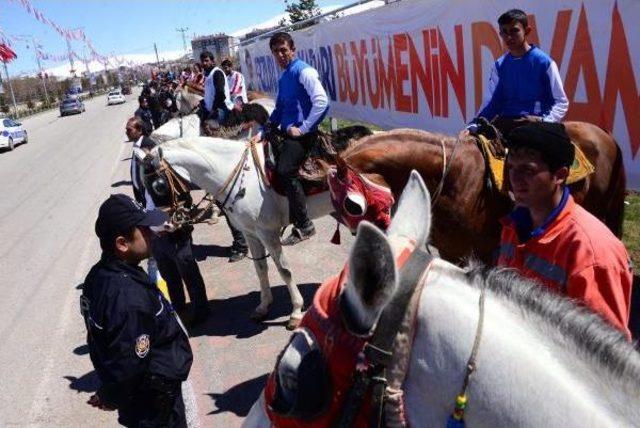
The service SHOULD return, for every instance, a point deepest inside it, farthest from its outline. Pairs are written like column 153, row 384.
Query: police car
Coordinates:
column 11, row 133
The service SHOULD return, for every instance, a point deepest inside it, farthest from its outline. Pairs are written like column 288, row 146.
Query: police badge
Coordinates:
column 143, row 344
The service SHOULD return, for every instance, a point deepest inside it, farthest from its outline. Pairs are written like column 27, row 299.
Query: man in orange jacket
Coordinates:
column 551, row 239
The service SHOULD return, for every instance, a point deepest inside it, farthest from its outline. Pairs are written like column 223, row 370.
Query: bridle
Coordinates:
column 378, row 352
column 183, row 212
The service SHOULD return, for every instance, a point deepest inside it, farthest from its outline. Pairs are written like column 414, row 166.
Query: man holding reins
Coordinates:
column 301, row 105
column 525, row 84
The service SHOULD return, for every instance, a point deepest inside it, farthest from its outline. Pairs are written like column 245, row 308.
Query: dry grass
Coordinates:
column 631, row 231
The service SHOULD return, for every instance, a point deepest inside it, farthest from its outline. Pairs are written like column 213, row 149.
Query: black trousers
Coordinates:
column 150, row 410
column 293, row 153
column 239, row 244
column 176, row 264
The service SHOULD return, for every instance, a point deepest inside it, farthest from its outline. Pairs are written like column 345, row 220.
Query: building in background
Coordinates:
column 221, row 45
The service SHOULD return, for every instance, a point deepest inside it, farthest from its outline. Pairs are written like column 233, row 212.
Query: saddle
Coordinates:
column 313, row 171
column 492, row 145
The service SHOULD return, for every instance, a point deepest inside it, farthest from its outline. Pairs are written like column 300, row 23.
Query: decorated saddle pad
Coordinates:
column 580, row 169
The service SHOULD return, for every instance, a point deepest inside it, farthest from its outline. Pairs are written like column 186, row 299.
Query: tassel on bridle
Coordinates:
column 335, row 239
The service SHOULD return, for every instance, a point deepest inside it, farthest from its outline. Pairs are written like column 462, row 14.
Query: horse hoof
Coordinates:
column 293, row 323
column 259, row 315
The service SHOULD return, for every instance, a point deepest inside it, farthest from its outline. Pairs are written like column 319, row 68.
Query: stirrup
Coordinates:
column 297, row 236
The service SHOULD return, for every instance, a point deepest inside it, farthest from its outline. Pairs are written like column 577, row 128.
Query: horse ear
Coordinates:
column 372, row 280
column 413, row 215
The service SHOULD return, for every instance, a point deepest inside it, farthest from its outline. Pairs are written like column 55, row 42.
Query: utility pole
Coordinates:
column 73, row 70
column 44, row 82
column 13, row 97
column 184, row 40
column 157, row 59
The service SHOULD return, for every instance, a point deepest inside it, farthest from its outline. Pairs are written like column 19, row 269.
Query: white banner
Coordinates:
column 425, row 63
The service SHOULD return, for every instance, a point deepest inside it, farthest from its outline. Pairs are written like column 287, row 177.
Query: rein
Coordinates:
column 446, row 167
column 181, row 215
column 456, row 420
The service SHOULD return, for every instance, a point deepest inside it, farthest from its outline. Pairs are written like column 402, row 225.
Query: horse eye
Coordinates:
column 159, row 187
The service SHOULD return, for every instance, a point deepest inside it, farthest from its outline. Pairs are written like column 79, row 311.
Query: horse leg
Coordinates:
column 258, row 252
column 275, row 249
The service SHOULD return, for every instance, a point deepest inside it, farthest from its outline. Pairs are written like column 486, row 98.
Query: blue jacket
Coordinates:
column 299, row 91
column 527, row 85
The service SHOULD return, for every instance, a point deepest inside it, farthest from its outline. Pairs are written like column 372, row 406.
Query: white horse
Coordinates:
column 186, row 126
column 541, row 361
column 253, row 207
column 189, row 124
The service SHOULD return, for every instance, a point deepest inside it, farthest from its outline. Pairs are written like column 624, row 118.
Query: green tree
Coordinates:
column 299, row 11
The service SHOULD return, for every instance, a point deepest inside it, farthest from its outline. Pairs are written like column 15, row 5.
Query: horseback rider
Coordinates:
column 301, row 105
column 217, row 100
column 525, row 84
column 237, row 86
column 551, row 239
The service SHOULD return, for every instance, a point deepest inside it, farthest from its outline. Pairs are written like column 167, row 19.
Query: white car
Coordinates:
column 115, row 97
column 11, row 133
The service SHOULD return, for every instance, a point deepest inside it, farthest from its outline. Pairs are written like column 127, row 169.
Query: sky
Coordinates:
column 130, row 27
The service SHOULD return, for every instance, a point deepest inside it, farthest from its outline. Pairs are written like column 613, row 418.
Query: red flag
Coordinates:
column 6, row 54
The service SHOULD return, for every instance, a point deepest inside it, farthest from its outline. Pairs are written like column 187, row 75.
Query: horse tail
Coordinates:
column 616, row 192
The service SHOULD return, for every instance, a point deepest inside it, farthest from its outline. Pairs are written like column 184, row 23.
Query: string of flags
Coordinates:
column 6, row 53
column 68, row 34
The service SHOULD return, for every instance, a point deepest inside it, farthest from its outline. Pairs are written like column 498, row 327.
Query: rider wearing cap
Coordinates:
column 525, row 84
column 551, row 239
column 138, row 347
column 301, row 105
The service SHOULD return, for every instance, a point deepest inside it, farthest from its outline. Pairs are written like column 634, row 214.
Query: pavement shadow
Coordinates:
column 126, row 159
column 85, row 383
column 230, row 317
column 201, row 252
column 239, row 398
column 634, row 316
column 121, row 183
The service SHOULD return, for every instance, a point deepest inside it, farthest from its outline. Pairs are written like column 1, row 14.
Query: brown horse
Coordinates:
column 467, row 212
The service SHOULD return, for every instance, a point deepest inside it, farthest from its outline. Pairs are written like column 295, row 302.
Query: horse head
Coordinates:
column 309, row 371
column 187, row 100
column 372, row 261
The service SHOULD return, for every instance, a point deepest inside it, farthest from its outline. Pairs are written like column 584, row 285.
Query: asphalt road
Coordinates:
column 51, row 189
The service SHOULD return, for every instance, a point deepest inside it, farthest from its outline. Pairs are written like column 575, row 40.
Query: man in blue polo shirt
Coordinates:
column 301, row 105
column 525, row 84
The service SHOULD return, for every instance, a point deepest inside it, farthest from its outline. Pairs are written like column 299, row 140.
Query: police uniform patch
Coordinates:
column 143, row 344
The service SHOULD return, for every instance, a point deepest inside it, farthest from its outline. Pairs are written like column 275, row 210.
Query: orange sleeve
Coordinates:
column 606, row 290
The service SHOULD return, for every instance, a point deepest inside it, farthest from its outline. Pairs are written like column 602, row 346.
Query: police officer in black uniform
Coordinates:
column 138, row 347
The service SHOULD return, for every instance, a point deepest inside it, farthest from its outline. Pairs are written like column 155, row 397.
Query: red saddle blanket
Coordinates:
column 310, row 187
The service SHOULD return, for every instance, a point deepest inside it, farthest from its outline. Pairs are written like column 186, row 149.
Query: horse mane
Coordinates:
column 586, row 332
